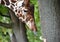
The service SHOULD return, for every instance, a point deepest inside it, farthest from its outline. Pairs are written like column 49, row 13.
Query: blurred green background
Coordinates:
column 4, row 33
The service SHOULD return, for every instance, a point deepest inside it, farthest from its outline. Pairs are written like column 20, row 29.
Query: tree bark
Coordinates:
column 12, row 37
column 18, row 28
column 50, row 19
column 6, row 25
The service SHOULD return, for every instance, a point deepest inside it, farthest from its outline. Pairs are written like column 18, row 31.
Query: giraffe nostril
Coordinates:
column 19, row 11
column 17, row 14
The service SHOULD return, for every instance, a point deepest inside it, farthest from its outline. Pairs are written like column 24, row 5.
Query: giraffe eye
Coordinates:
column 25, row 10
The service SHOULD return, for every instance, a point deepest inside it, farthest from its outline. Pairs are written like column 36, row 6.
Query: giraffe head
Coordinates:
column 22, row 10
column 25, row 15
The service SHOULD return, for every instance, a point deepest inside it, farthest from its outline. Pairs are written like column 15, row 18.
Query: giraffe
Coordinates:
column 23, row 11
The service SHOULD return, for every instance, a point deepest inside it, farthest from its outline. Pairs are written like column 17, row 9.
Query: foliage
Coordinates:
column 31, row 36
column 4, row 33
column 3, row 10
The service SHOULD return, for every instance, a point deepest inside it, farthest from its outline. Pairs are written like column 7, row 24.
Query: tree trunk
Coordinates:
column 12, row 37
column 50, row 19
column 20, row 32
column 18, row 29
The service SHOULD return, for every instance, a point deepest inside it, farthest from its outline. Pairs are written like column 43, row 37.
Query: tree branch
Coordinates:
column 5, row 25
column 7, row 15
